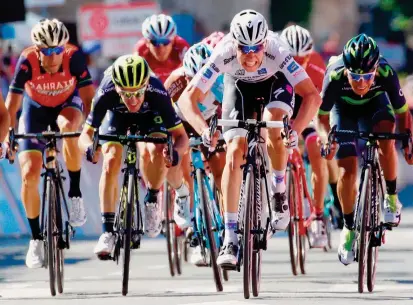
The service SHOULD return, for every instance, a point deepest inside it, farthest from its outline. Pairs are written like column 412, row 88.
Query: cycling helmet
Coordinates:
column 298, row 39
column 213, row 39
column 130, row 71
column 159, row 27
column 49, row 33
column 249, row 28
column 195, row 58
column 361, row 54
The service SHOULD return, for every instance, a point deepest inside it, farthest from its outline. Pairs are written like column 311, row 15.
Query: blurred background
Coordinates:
column 108, row 28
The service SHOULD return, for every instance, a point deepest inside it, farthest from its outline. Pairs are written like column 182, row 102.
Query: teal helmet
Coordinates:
column 361, row 54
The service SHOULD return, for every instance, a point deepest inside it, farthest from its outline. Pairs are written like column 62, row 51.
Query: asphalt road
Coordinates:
column 90, row 281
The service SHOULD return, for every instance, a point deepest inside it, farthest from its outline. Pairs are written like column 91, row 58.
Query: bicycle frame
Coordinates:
column 297, row 169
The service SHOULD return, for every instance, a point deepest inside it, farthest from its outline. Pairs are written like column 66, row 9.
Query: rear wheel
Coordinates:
column 256, row 259
column 365, row 202
column 169, row 228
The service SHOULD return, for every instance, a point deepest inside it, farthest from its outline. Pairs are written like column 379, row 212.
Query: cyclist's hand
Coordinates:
column 408, row 155
column 207, row 140
column 3, row 150
column 329, row 155
column 292, row 141
column 168, row 161
column 94, row 159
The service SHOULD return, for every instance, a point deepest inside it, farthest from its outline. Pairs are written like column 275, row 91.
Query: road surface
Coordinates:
column 90, row 281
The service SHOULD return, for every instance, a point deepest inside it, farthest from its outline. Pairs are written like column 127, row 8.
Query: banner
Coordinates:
column 109, row 21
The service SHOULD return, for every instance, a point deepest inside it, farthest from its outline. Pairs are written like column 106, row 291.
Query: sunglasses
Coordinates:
column 50, row 51
column 249, row 49
column 160, row 42
column 138, row 93
column 364, row 76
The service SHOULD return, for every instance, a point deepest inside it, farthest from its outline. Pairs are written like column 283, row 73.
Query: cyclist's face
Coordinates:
column 52, row 62
column 361, row 83
column 132, row 98
column 160, row 50
column 250, row 57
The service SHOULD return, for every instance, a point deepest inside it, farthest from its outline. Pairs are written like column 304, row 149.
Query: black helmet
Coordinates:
column 361, row 54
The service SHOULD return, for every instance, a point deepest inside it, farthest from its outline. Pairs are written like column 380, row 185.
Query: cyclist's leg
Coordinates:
column 34, row 118
column 332, row 167
column 217, row 164
column 281, row 103
column 70, row 118
column 179, row 177
column 108, row 184
column 344, row 117
column 233, row 108
column 154, row 170
column 318, row 236
column 384, row 121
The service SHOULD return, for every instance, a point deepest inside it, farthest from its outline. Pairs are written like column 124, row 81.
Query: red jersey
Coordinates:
column 316, row 69
column 47, row 89
column 163, row 69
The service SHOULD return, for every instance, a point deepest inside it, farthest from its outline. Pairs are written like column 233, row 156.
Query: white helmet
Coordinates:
column 298, row 39
column 249, row 28
column 195, row 58
column 49, row 33
column 159, row 27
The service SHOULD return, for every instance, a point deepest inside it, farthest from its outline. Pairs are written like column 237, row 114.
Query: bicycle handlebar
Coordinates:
column 250, row 122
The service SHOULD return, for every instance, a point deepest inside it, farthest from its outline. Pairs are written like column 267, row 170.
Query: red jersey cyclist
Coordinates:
column 162, row 48
column 56, row 80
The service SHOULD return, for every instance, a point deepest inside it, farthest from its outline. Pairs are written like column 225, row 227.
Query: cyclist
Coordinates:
column 300, row 43
column 194, row 59
column 256, row 64
column 213, row 39
column 56, row 80
column 162, row 48
column 362, row 91
column 128, row 95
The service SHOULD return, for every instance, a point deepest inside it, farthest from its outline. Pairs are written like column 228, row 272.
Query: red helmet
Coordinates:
column 213, row 39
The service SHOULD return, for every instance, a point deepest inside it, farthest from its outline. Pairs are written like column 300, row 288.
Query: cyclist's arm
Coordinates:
column 329, row 97
column 180, row 138
column 396, row 96
column 4, row 119
column 101, row 103
column 14, row 98
column 79, row 69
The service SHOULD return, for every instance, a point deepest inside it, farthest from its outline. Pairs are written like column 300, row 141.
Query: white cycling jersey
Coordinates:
column 277, row 58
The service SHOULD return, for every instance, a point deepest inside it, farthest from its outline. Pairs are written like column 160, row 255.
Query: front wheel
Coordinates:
column 51, row 237
column 293, row 234
column 127, row 235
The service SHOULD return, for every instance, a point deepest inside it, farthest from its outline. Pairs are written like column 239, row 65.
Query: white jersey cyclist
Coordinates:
column 223, row 60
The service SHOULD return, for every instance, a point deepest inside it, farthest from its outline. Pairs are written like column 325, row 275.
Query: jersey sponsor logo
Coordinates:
column 278, row 92
column 272, row 57
column 228, row 60
column 151, row 88
column 214, row 67
column 292, row 67
column 298, row 72
column 207, row 73
column 84, row 74
column 285, row 61
column 262, row 71
column 102, row 91
column 240, row 72
column 53, row 88
column 24, row 67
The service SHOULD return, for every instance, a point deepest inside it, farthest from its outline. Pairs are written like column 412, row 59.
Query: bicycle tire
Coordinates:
column 168, row 227
column 51, row 239
column 204, row 201
column 256, row 259
column 292, row 226
column 59, row 249
column 247, row 240
column 177, row 252
column 373, row 251
column 128, row 234
column 365, row 199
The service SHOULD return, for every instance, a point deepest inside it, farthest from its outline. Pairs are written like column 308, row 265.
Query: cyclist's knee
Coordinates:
column 318, row 163
column 235, row 153
column 348, row 170
column 31, row 166
column 112, row 159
